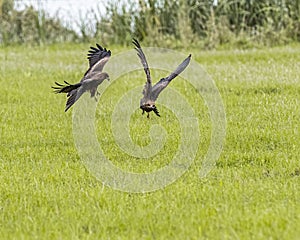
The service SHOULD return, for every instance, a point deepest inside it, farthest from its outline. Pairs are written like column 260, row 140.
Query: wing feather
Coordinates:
column 98, row 67
column 95, row 55
column 73, row 97
column 163, row 83
column 141, row 55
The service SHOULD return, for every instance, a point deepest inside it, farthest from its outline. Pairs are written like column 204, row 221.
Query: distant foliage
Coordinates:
column 30, row 26
column 206, row 23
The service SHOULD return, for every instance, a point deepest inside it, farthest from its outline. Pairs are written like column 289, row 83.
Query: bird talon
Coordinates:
column 150, row 92
column 93, row 77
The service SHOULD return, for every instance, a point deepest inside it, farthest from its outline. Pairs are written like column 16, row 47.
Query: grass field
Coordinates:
column 252, row 193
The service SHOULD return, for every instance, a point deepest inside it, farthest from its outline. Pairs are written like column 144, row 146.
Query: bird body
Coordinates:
column 151, row 93
column 92, row 78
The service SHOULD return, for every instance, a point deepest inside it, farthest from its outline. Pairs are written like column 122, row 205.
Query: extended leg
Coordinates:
column 97, row 94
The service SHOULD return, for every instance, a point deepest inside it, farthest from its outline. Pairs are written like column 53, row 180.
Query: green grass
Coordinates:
column 252, row 193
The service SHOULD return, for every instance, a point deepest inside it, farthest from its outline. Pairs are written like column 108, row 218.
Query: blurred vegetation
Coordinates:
column 30, row 26
column 201, row 23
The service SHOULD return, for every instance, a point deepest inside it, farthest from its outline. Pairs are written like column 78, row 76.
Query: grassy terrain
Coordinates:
column 253, row 192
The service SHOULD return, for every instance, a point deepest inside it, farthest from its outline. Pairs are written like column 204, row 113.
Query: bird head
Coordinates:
column 104, row 76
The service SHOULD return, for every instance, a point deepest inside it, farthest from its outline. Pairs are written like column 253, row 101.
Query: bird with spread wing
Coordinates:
column 151, row 93
column 94, row 76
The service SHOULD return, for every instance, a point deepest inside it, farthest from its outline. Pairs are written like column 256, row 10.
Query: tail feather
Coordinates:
column 59, row 88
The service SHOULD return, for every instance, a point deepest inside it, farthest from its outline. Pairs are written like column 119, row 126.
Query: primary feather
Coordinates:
column 94, row 76
column 147, row 103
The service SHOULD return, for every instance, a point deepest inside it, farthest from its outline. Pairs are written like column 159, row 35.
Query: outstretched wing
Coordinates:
column 60, row 88
column 74, row 91
column 140, row 53
column 97, row 58
column 73, row 96
column 163, row 83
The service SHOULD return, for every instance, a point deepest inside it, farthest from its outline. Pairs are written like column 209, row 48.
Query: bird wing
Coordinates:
column 97, row 67
column 97, row 58
column 140, row 53
column 163, row 83
column 60, row 88
column 73, row 96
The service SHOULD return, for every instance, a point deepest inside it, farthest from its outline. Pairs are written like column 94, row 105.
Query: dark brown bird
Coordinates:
column 147, row 103
column 94, row 76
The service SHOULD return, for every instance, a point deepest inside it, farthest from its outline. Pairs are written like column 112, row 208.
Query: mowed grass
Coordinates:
column 253, row 192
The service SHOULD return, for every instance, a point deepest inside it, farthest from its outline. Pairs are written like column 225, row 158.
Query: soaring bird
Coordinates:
column 94, row 76
column 147, row 103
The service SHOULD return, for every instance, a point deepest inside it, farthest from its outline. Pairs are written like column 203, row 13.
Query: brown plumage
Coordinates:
column 94, row 76
column 147, row 103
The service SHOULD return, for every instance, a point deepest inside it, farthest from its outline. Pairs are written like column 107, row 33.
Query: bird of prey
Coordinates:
column 147, row 103
column 94, row 76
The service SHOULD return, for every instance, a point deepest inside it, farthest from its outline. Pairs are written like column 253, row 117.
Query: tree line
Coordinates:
column 206, row 23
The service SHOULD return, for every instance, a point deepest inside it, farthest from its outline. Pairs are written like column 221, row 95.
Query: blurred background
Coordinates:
column 207, row 24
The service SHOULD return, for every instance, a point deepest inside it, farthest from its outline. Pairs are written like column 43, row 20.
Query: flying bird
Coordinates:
column 151, row 93
column 94, row 76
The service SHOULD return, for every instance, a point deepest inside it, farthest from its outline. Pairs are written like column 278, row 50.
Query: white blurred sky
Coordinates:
column 51, row 6
column 72, row 12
